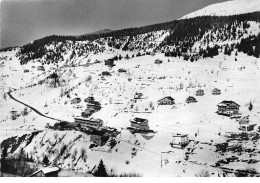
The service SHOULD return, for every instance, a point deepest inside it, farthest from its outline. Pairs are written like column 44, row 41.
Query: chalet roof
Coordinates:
column 200, row 90
column 168, row 97
column 98, row 132
column 77, row 98
column 191, row 98
column 227, row 102
column 95, row 120
column 50, row 169
column 216, row 89
column 138, row 120
column 179, row 135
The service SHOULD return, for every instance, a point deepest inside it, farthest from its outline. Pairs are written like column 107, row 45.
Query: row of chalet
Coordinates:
column 215, row 91
column 170, row 101
column 92, row 106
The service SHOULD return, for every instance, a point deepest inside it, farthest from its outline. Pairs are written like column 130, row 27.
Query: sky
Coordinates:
column 23, row 21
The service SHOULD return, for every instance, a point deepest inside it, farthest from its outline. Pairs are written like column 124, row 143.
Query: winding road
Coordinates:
column 35, row 110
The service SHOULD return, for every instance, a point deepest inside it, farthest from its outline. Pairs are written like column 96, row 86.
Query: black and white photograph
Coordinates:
column 129, row 88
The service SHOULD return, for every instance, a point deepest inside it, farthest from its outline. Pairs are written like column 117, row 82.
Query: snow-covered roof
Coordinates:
column 179, row 135
column 50, row 169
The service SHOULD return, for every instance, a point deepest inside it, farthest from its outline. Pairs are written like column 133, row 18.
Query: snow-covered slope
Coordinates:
column 227, row 8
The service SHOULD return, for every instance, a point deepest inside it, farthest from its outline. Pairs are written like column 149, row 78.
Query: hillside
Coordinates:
column 233, row 7
column 75, row 99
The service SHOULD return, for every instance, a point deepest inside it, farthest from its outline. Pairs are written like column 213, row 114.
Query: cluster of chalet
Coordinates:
column 228, row 108
column 170, row 101
column 92, row 107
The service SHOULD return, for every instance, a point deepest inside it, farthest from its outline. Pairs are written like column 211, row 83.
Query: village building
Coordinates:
column 112, row 132
column 152, row 53
column 63, row 125
column 89, row 122
column 244, row 124
column 179, row 140
column 40, row 68
column 75, row 100
column 158, row 61
column 110, row 62
column 191, row 99
column 14, row 115
column 121, row 70
column 99, row 137
column 26, row 70
column 216, row 91
column 51, row 171
column 166, row 101
column 105, row 73
column 200, row 92
column 228, row 107
column 138, row 95
column 92, row 105
column 139, row 123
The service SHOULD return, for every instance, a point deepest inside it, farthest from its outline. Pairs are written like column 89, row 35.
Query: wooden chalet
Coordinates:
column 139, row 123
column 121, row 70
column 75, row 100
column 166, row 101
column 216, row 91
column 51, row 171
column 14, row 114
column 99, row 137
column 191, row 99
column 244, row 124
column 138, row 95
column 63, row 125
column 105, row 73
column 40, row 68
column 89, row 122
column 179, row 140
column 110, row 62
column 92, row 105
column 158, row 61
column 200, row 92
column 228, row 107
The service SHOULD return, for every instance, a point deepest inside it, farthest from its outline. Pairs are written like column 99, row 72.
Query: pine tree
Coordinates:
column 45, row 160
column 250, row 106
column 101, row 171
